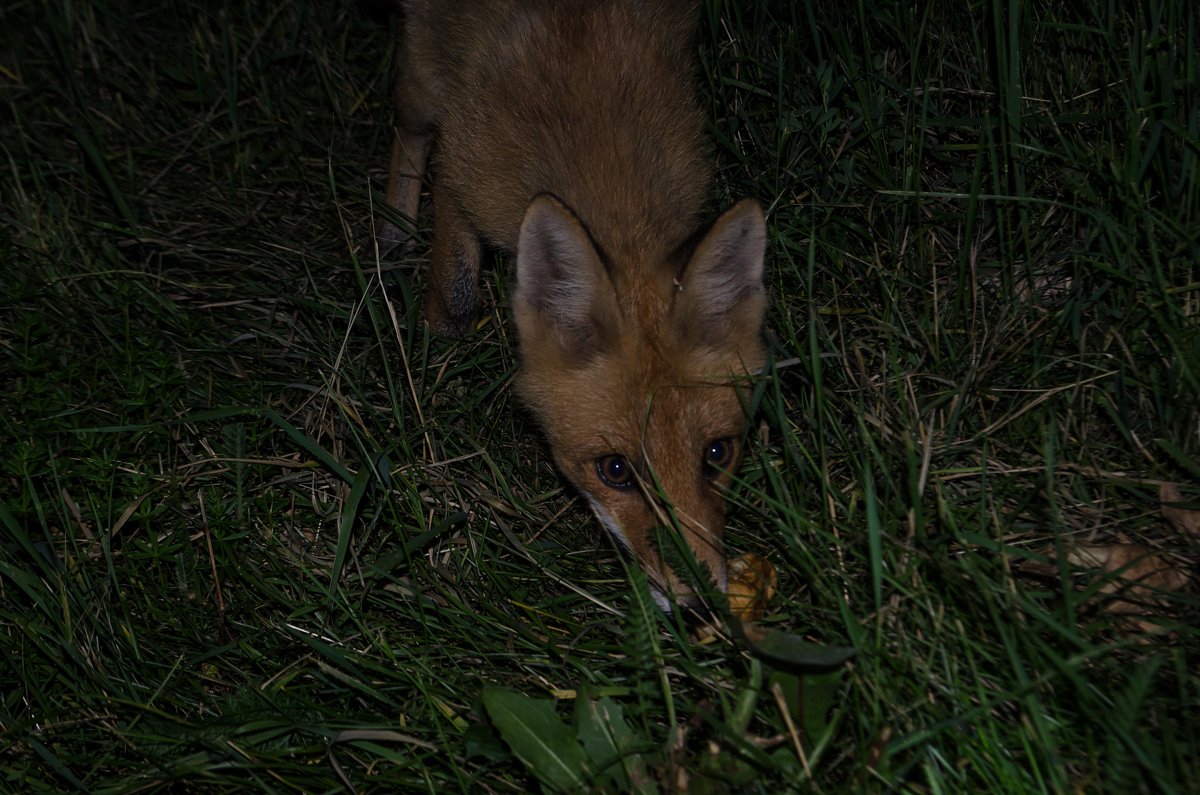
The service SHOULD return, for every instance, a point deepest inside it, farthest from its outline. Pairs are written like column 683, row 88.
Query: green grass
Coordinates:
column 261, row 532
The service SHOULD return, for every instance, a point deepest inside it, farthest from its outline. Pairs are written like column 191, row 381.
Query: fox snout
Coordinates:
column 653, row 544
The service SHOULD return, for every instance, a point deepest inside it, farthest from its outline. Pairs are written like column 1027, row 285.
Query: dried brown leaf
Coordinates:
column 1142, row 576
column 1185, row 520
column 752, row 583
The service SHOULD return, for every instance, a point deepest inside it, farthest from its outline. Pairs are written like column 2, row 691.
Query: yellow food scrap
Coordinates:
column 752, row 581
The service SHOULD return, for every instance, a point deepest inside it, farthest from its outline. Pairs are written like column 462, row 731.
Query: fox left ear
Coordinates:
column 722, row 299
column 563, row 295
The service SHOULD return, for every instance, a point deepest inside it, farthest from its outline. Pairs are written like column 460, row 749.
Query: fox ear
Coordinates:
column 722, row 300
column 563, row 289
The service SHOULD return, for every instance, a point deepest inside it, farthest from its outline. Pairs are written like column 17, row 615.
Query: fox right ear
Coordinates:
column 563, row 288
column 722, row 299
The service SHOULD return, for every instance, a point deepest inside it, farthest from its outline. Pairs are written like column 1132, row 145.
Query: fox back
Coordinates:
column 569, row 133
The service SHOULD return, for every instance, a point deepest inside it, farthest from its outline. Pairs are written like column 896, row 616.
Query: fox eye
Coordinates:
column 615, row 471
column 718, row 455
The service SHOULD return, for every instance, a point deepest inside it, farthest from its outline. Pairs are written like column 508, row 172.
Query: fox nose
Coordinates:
column 690, row 601
column 678, row 590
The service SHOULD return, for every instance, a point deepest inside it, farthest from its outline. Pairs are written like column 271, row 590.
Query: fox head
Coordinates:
column 636, row 371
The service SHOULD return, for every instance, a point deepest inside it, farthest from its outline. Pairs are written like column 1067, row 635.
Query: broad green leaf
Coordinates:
column 791, row 652
column 480, row 740
column 610, row 744
column 538, row 737
column 600, row 732
column 810, row 697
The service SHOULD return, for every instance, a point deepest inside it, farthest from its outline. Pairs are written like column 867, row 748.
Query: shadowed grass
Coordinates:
column 261, row 532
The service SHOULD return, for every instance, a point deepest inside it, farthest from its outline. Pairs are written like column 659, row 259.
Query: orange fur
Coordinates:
column 568, row 132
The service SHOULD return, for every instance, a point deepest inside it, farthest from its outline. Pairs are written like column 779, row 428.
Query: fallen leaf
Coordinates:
column 1185, row 520
column 1048, row 287
column 1142, row 577
column 752, row 583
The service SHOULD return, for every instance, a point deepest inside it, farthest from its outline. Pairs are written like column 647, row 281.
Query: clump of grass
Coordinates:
column 261, row 531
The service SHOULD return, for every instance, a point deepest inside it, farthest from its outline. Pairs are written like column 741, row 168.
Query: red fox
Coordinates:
column 568, row 132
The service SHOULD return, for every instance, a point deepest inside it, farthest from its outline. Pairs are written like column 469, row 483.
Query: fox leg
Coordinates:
column 452, row 299
column 416, row 109
column 406, row 169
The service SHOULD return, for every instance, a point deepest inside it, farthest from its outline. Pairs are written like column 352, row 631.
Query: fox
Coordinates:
column 569, row 134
